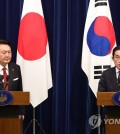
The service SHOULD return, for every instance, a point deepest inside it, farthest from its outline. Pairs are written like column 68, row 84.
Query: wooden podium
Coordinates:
column 105, row 98
column 14, row 125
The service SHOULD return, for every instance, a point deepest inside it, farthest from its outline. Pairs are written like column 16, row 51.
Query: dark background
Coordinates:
column 70, row 102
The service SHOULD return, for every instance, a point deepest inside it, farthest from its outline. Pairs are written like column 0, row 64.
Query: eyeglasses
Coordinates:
column 117, row 58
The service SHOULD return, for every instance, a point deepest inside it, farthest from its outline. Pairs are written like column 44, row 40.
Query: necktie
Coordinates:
column 119, row 79
column 5, row 78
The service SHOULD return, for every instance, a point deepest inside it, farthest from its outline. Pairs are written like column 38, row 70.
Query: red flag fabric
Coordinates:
column 33, row 52
column 98, row 42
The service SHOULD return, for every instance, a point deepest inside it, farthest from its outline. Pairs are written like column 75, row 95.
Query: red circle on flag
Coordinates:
column 32, row 39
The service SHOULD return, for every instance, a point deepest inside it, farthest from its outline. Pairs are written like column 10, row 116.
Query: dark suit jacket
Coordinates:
column 108, row 83
column 14, row 84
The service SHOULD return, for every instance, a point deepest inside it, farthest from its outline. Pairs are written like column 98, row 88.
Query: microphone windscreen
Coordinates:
column 7, row 78
column 1, row 77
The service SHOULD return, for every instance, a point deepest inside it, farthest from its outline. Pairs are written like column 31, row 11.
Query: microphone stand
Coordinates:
column 1, row 82
column 119, row 82
column 34, row 121
column 1, row 85
column 5, row 85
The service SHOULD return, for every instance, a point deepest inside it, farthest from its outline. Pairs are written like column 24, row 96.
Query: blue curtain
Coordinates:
column 70, row 102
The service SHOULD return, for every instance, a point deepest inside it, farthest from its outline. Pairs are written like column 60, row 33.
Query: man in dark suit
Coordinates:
column 14, row 80
column 109, row 82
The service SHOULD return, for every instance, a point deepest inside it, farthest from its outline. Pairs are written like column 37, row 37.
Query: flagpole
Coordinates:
column 33, row 120
column 99, row 120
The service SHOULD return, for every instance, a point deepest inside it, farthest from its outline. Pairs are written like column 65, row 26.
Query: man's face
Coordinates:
column 116, row 59
column 5, row 54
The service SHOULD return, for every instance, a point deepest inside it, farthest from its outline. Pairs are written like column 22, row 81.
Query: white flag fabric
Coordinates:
column 33, row 52
column 98, row 42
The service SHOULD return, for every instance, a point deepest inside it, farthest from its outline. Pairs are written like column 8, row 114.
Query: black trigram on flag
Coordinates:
column 100, row 3
column 99, row 69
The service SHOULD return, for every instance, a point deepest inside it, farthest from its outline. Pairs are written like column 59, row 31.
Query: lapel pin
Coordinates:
column 12, row 69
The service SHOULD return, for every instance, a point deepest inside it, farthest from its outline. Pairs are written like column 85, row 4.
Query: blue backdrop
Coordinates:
column 70, row 102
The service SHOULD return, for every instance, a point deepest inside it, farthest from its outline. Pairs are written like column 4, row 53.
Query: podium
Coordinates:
column 105, row 98
column 10, row 125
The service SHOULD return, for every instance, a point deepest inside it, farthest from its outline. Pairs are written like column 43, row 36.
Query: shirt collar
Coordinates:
column 1, row 67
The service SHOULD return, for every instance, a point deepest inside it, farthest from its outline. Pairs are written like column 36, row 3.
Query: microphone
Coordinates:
column 6, row 83
column 7, row 78
column 118, row 81
column 1, row 77
column 1, row 82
